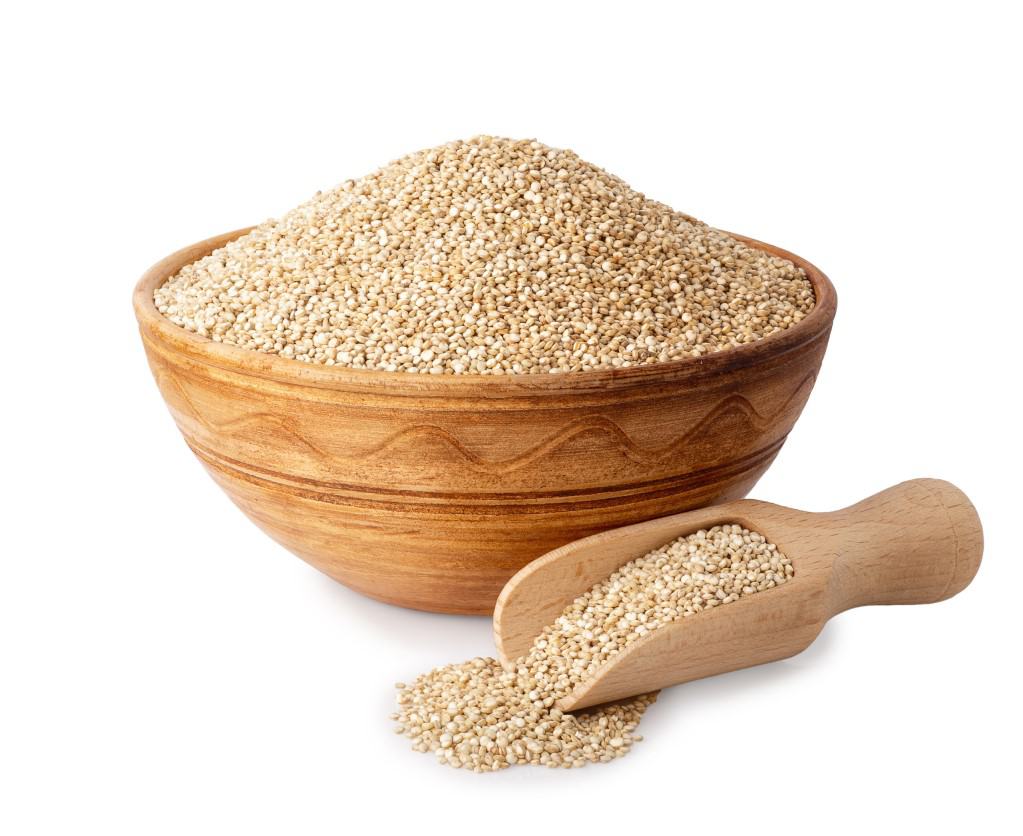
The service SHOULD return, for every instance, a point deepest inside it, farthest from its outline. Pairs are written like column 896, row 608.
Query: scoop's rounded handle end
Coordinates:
column 967, row 533
column 915, row 543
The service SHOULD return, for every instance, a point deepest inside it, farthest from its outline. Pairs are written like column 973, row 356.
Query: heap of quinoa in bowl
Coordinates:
column 486, row 256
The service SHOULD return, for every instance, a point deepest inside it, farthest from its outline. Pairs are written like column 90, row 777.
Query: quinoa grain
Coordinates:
column 486, row 256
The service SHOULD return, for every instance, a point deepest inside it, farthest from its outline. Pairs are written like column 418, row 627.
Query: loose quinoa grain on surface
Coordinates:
column 486, row 256
column 479, row 716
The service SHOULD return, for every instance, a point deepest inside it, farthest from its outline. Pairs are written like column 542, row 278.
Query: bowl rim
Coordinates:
column 157, row 328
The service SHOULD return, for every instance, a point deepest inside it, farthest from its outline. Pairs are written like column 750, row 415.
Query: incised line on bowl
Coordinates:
column 572, row 430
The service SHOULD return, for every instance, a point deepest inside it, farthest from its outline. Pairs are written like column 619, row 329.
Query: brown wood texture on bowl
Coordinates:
column 431, row 491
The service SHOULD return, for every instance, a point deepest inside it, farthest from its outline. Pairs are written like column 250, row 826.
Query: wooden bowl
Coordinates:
column 431, row 491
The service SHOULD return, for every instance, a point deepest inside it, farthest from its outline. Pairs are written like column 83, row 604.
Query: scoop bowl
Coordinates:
column 917, row 542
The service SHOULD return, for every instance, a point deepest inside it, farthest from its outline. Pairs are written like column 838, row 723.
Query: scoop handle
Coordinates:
column 915, row 543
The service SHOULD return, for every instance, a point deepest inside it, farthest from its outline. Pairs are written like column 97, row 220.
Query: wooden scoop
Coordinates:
column 915, row 543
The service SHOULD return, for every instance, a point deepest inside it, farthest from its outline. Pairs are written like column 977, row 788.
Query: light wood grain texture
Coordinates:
column 431, row 491
column 915, row 543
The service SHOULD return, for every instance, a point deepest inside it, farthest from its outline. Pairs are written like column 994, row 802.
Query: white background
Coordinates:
column 166, row 668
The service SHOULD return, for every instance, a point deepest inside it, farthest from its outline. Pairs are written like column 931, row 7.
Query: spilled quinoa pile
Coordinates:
column 479, row 716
